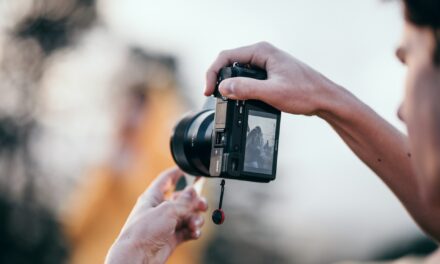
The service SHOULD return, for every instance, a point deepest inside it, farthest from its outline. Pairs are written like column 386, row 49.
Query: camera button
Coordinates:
column 239, row 122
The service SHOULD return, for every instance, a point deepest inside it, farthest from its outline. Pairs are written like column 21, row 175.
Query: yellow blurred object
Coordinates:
column 100, row 207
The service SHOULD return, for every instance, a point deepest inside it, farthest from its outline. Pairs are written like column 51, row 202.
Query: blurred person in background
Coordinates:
column 44, row 218
column 147, row 105
column 409, row 165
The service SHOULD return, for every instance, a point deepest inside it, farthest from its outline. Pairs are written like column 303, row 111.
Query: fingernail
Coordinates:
column 226, row 90
column 199, row 220
column 204, row 203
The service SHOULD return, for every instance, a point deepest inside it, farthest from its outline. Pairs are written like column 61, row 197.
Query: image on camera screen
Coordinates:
column 260, row 140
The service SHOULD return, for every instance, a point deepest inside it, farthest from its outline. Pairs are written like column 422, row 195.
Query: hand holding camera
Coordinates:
column 239, row 138
column 236, row 140
column 291, row 86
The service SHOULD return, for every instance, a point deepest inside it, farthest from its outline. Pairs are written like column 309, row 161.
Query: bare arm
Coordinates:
column 384, row 149
column 295, row 88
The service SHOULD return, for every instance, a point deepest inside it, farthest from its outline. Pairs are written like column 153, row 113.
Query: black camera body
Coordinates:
column 236, row 140
column 245, row 136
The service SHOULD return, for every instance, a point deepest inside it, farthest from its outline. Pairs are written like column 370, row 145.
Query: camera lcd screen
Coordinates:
column 260, row 141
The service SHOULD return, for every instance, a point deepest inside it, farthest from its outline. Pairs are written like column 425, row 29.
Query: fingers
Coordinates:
column 191, row 229
column 185, row 208
column 195, row 223
column 201, row 203
column 256, row 54
column 241, row 88
column 175, row 195
column 183, row 205
column 166, row 181
column 183, row 213
column 188, row 202
column 187, row 234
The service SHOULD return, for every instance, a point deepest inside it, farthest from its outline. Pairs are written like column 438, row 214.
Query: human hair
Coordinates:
column 425, row 13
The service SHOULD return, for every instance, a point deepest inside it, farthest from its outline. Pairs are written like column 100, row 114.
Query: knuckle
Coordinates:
column 192, row 192
column 264, row 45
column 169, row 208
column 223, row 53
column 188, row 195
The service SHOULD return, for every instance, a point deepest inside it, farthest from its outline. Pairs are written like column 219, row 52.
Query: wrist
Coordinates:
column 127, row 250
column 335, row 102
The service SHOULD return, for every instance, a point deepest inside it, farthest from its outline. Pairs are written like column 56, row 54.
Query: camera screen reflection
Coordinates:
column 260, row 140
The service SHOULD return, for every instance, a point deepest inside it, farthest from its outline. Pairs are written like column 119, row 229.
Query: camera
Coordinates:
column 236, row 139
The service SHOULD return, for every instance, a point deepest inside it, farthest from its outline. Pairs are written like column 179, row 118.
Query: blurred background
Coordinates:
column 91, row 89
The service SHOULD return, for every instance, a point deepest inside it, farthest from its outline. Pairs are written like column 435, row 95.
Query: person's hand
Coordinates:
column 156, row 225
column 291, row 86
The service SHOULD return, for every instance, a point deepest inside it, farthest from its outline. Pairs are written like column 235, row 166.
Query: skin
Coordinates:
column 420, row 111
column 409, row 165
column 156, row 225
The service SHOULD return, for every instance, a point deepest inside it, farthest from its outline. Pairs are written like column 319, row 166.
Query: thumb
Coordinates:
column 243, row 88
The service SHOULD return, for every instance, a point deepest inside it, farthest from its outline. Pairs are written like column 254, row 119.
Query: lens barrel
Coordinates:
column 191, row 142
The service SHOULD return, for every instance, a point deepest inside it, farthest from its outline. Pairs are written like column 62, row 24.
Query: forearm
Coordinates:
column 382, row 148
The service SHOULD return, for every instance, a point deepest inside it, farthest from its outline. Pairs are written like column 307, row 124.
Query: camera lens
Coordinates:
column 191, row 142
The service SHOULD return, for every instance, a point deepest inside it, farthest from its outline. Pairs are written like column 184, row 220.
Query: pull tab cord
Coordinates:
column 221, row 193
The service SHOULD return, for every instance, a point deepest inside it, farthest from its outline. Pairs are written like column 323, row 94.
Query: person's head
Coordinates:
column 420, row 110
